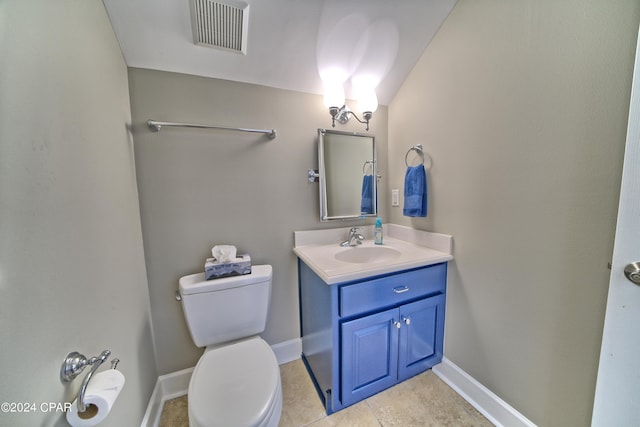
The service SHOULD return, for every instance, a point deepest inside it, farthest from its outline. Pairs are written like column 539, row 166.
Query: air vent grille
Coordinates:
column 220, row 25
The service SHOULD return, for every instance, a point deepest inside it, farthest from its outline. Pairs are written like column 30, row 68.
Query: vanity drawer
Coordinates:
column 392, row 290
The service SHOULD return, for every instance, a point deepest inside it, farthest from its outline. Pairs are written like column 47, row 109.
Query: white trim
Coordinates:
column 154, row 408
column 176, row 384
column 288, row 351
column 167, row 387
column 484, row 400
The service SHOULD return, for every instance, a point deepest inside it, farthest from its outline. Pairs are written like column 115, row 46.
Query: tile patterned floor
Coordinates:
column 422, row 401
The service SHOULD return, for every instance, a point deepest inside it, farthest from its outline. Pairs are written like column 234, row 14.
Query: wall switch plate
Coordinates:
column 395, row 198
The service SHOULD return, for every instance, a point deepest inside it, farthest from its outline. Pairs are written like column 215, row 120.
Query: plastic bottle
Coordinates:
column 377, row 231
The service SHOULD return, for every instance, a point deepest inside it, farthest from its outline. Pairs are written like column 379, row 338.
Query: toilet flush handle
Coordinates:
column 178, row 296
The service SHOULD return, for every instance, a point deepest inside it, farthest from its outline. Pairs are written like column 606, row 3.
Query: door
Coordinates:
column 420, row 336
column 617, row 397
column 369, row 355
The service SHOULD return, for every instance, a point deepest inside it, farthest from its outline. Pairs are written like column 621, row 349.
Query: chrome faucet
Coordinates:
column 354, row 238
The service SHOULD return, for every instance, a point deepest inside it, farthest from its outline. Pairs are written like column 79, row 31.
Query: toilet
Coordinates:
column 236, row 382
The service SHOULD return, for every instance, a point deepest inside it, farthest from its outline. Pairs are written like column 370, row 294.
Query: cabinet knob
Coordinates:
column 406, row 320
column 397, row 324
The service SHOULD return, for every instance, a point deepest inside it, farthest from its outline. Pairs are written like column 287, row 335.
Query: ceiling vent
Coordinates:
column 220, row 25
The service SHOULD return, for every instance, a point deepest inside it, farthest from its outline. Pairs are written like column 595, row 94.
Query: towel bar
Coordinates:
column 155, row 126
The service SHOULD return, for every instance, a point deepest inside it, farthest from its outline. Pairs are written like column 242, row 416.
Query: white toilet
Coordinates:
column 237, row 380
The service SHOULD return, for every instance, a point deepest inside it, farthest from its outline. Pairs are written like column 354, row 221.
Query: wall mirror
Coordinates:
column 347, row 172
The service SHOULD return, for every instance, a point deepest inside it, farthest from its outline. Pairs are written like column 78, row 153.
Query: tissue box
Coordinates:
column 215, row 270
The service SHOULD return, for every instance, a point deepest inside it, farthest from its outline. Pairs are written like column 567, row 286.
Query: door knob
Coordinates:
column 632, row 271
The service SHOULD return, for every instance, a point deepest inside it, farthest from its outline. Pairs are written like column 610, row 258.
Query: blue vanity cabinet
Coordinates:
column 369, row 355
column 421, row 333
column 361, row 337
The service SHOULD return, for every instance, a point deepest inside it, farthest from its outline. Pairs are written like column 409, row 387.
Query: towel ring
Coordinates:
column 418, row 149
column 364, row 165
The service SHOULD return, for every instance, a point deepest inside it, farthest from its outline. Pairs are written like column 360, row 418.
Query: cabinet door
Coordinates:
column 421, row 336
column 369, row 355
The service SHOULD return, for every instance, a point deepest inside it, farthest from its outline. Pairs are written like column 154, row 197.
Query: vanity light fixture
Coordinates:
column 334, row 96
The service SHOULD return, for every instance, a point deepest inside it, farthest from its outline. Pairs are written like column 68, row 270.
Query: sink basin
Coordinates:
column 366, row 254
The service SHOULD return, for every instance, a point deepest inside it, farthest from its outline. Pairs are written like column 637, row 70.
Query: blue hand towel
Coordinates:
column 415, row 191
column 366, row 205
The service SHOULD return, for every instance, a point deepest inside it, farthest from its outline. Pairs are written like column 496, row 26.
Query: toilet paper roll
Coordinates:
column 101, row 394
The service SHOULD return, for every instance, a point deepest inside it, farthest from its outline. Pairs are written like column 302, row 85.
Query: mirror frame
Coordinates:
column 324, row 208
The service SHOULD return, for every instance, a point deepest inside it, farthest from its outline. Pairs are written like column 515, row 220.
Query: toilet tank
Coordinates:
column 226, row 309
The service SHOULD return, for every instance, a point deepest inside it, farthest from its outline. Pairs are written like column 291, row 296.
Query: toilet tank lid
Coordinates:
column 196, row 283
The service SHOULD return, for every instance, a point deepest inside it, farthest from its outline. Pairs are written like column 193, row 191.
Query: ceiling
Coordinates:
column 289, row 42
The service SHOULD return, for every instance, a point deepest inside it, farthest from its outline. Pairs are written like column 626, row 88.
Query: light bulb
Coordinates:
column 333, row 95
column 368, row 101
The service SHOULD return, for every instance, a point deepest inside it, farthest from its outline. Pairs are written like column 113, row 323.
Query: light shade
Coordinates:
column 333, row 95
column 368, row 101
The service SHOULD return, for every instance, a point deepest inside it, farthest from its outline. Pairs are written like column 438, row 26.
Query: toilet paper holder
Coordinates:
column 75, row 363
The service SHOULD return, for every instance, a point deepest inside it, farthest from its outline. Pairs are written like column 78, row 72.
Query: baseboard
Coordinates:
column 484, row 400
column 154, row 408
column 288, row 351
column 176, row 384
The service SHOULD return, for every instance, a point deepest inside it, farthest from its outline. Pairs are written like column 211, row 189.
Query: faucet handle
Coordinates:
column 353, row 234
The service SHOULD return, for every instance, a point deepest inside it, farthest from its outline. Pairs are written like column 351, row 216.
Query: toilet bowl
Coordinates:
column 236, row 385
column 236, row 382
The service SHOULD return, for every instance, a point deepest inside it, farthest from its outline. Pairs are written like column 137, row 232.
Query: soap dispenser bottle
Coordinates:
column 377, row 231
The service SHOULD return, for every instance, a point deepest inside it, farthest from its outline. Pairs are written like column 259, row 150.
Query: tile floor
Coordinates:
column 421, row 401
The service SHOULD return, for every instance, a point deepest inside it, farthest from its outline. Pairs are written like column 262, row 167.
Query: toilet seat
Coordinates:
column 235, row 385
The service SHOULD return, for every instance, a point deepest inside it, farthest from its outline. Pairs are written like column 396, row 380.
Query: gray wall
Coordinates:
column 523, row 107
column 72, row 273
column 199, row 188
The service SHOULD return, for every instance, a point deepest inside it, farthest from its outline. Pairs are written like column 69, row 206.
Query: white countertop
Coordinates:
column 318, row 249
